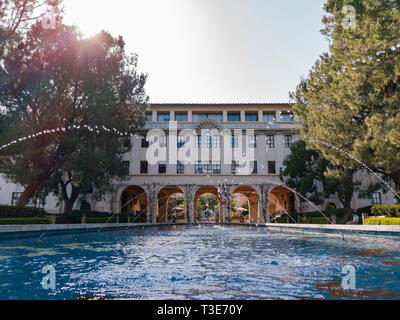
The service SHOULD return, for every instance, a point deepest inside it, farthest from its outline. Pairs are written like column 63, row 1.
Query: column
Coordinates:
column 225, row 116
column 265, row 215
column 190, row 191
column 152, row 199
column 226, row 203
column 253, row 207
column 163, row 210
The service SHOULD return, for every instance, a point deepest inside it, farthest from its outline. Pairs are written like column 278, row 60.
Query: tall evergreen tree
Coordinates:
column 349, row 103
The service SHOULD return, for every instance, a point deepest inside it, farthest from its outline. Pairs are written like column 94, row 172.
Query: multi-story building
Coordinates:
column 196, row 149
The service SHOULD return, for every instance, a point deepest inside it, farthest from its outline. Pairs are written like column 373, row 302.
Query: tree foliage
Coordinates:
column 349, row 103
column 57, row 82
column 315, row 178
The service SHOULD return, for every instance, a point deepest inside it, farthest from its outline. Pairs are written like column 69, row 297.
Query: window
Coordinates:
column 144, row 167
column 181, row 116
column 199, row 142
column 235, row 167
column 234, row 117
column 216, row 142
column 180, row 168
column 208, row 167
column 269, row 117
column 181, row 141
column 253, row 167
column 145, row 143
column 235, row 141
column 199, row 168
column 15, row 197
column 217, row 167
column 213, row 116
column 163, row 117
column 162, row 168
column 271, row 142
column 207, row 141
column 286, row 116
column 149, row 116
column 288, row 141
column 251, row 116
column 271, row 167
column 377, row 199
column 252, row 142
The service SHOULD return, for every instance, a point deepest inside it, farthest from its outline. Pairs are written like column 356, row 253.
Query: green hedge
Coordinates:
column 100, row 220
column 383, row 221
column 89, row 214
column 391, row 211
column 316, row 214
column 281, row 220
column 25, row 212
column 314, row 221
column 20, row 221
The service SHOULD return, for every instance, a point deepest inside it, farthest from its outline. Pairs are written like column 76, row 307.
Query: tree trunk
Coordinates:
column 33, row 185
column 29, row 192
column 35, row 182
column 69, row 202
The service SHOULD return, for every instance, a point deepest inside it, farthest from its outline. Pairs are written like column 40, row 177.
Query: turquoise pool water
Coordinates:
column 202, row 262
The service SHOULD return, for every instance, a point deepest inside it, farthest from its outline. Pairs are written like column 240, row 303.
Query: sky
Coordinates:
column 212, row 51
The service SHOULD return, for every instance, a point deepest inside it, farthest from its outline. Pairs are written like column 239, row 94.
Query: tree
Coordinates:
column 315, row 178
column 348, row 104
column 75, row 90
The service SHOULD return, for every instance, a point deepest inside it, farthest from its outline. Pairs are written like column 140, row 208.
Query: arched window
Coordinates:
column 330, row 205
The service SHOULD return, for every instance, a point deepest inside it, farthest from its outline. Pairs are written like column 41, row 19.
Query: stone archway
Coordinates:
column 134, row 202
column 253, row 202
column 282, row 201
column 163, row 199
column 208, row 190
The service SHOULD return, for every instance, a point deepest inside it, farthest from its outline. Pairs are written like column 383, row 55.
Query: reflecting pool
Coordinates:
column 201, row 262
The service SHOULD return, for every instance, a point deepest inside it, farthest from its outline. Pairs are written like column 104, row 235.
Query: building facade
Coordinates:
column 196, row 149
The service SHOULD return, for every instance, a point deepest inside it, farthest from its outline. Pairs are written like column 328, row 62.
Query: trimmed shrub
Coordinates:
column 25, row 212
column 89, row 214
column 382, row 221
column 24, row 221
column 100, row 220
column 391, row 211
column 281, row 220
column 314, row 221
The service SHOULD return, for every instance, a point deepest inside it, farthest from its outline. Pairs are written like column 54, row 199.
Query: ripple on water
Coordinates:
column 200, row 263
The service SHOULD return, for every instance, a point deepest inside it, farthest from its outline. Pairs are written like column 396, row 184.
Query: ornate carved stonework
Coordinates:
column 264, row 201
column 207, row 124
column 190, row 191
column 152, row 190
column 226, row 197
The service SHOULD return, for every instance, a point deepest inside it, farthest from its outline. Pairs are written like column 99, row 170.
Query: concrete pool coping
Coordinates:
column 22, row 231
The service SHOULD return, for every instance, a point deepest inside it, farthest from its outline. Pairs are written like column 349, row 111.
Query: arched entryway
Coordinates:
column 171, row 205
column 134, row 202
column 248, row 199
column 282, row 201
column 208, row 205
